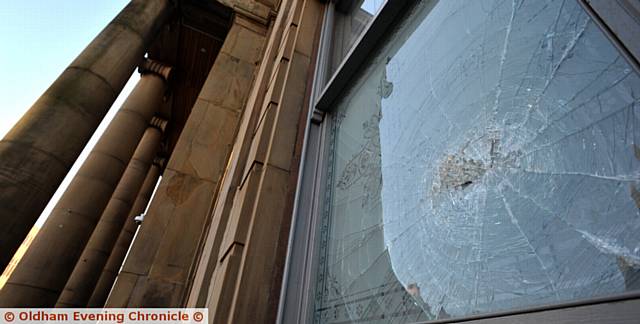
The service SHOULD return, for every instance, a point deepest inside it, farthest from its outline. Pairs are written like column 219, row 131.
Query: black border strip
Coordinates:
column 619, row 44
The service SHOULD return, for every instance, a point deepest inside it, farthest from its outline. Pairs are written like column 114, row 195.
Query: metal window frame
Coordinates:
column 620, row 22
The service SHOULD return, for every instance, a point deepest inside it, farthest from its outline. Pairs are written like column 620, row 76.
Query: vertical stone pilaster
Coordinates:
column 43, row 271
column 210, row 247
column 87, row 271
column 38, row 152
column 246, row 282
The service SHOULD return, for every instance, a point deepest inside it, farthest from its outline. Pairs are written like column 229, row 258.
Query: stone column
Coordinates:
column 85, row 275
column 110, row 272
column 45, row 268
column 38, row 152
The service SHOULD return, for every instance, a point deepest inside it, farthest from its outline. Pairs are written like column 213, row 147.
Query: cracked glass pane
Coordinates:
column 486, row 159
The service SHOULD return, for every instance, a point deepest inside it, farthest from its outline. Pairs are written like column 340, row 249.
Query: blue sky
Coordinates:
column 38, row 40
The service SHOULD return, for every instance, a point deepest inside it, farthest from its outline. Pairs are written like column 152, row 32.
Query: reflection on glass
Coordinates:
column 350, row 19
column 487, row 159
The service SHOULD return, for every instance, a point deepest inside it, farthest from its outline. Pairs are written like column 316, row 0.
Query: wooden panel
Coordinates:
column 190, row 43
column 209, row 17
column 197, row 52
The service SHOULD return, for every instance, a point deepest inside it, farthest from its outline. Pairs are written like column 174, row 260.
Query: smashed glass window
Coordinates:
column 487, row 158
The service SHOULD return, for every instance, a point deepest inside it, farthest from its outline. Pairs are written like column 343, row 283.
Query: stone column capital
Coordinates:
column 159, row 161
column 158, row 123
column 149, row 66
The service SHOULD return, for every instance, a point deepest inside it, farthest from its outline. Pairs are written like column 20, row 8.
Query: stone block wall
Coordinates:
column 216, row 231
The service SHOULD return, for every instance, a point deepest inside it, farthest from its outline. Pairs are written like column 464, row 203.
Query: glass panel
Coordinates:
column 486, row 160
column 350, row 19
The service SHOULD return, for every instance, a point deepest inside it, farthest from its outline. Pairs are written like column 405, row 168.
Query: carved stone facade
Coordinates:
column 229, row 121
